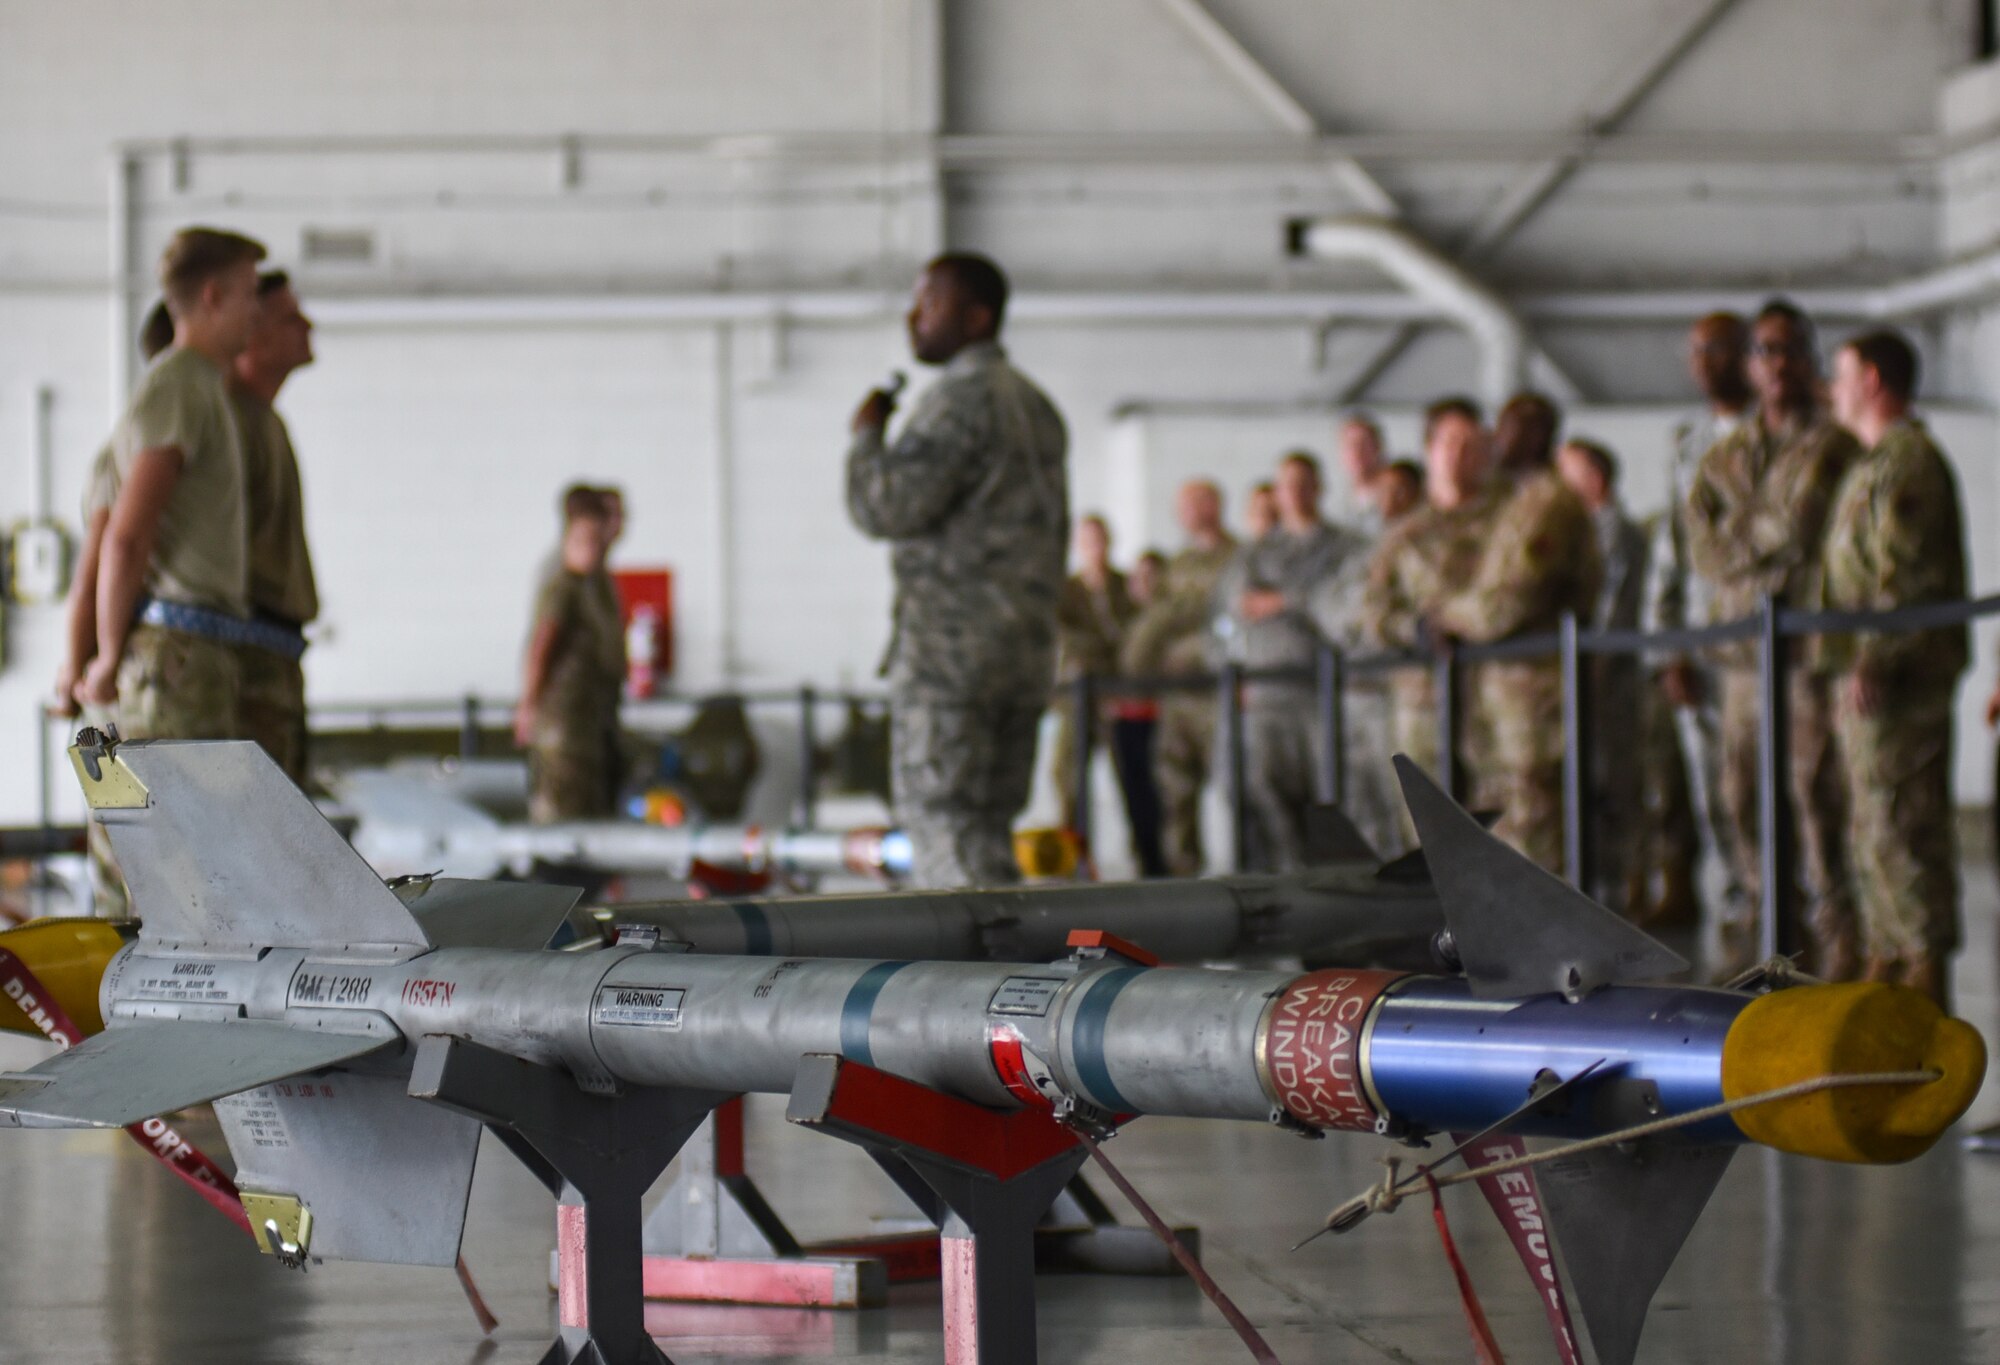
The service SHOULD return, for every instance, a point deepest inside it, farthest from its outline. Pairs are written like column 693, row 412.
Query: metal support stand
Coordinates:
column 1445, row 685
column 1084, row 699
column 808, row 758
column 1776, row 932
column 1577, row 814
column 1331, row 680
column 607, row 1151
column 468, row 728
column 996, row 1174
column 1230, row 699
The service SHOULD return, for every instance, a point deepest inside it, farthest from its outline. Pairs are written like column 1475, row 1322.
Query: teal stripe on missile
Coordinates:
column 1087, row 1039
column 756, row 928
column 860, row 1009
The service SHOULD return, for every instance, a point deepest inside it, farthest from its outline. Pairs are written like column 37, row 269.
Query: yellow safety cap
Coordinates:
column 1047, row 852
column 1856, row 1028
column 68, row 958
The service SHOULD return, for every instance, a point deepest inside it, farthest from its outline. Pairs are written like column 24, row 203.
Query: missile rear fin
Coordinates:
column 457, row 913
column 128, row 1074
column 1517, row 929
column 218, row 847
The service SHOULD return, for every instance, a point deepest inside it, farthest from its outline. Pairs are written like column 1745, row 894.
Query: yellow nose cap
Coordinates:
column 1850, row 1029
column 1047, row 852
column 68, row 958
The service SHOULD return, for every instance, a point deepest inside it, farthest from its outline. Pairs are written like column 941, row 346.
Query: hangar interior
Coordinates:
column 669, row 246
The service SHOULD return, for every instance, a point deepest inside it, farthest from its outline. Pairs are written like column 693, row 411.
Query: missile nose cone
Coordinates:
column 67, row 958
column 1857, row 1028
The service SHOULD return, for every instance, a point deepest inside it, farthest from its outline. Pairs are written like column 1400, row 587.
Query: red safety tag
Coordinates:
column 1517, row 1203
column 172, row 1150
column 1485, row 1350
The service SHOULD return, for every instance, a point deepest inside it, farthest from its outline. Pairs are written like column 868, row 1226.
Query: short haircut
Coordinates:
column 1408, row 470
column 1785, row 309
column 1458, row 405
column 1265, row 486
column 1722, row 320
column 1095, row 519
column 983, row 281
column 1304, row 458
column 271, row 281
column 582, row 502
column 1892, row 358
column 197, row 255
column 1600, row 458
column 1154, row 557
column 610, row 492
column 1366, row 421
column 156, row 333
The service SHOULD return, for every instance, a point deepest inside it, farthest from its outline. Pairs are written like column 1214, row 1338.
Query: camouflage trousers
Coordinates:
column 572, row 770
column 959, row 772
column 1063, row 760
column 170, row 686
column 1281, row 743
column 1515, row 751
column 1897, row 763
column 272, row 708
column 1818, row 805
column 1414, row 731
column 1183, row 755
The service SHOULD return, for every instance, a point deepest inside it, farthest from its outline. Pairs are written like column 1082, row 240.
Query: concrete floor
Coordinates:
column 106, row 1259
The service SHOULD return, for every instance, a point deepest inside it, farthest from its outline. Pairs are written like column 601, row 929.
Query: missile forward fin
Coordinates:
column 456, row 913
column 1333, row 838
column 124, row 1075
column 1620, row 1216
column 1518, row 929
column 222, row 849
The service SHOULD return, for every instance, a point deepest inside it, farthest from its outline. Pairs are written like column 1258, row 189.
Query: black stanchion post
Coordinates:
column 1577, row 850
column 1084, row 699
column 1445, row 684
column 468, row 728
column 808, row 757
column 1330, row 677
column 1774, row 807
column 1231, row 701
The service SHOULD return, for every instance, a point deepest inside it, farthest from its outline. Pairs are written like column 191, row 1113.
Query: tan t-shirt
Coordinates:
column 588, row 666
column 100, row 488
column 281, row 572
column 201, row 553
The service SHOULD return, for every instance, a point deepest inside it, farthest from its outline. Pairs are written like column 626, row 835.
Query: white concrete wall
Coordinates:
column 433, row 451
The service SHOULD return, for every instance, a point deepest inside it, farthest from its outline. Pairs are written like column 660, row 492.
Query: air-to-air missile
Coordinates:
column 277, row 974
column 1350, row 907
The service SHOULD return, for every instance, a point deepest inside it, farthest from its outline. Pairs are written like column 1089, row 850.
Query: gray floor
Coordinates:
column 105, row 1259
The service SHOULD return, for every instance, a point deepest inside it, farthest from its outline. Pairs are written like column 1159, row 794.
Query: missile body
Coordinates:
column 1338, row 914
column 1341, row 1049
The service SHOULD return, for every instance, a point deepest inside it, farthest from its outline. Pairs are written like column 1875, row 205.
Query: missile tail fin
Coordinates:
column 1620, row 1216
column 386, row 1177
column 218, row 847
column 1333, row 838
column 1518, row 929
column 129, row 1074
column 456, row 913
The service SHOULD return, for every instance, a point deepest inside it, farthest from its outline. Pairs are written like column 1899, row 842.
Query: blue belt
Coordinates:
column 221, row 626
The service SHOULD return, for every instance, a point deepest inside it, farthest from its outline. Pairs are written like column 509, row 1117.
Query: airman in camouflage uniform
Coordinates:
column 1091, row 616
column 973, row 496
column 1420, row 561
column 1540, row 560
column 567, row 718
column 283, row 593
column 1756, row 520
column 1175, row 637
column 1277, row 598
column 1896, row 538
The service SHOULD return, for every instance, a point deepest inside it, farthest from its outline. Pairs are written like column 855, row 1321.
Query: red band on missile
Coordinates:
column 172, row 1150
column 1309, row 1051
column 1004, row 1043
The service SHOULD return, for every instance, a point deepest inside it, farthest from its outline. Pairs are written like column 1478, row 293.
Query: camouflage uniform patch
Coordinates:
column 960, row 775
column 271, row 708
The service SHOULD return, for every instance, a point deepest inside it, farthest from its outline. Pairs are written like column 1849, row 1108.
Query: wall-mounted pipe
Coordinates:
column 1419, row 267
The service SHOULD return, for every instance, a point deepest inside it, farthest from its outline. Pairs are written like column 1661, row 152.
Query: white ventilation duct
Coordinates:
column 1406, row 258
